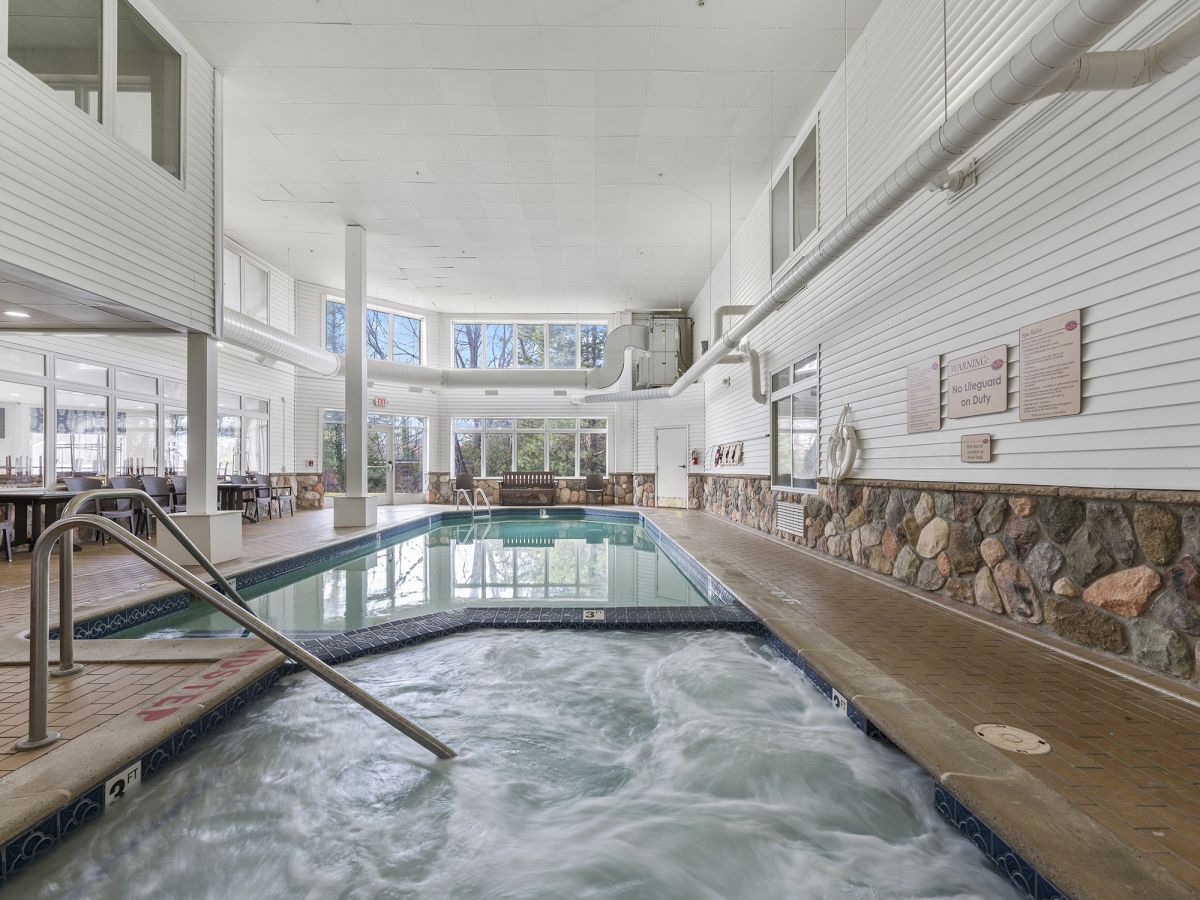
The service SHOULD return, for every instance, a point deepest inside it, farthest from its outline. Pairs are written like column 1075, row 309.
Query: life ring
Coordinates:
column 843, row 448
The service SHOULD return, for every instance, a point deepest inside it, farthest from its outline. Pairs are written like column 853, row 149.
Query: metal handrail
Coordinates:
column 461, row 493
column 66, row 567
column 39, row 636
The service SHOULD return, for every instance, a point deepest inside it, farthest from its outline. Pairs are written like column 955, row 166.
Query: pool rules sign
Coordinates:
column 1050, row 368
column 977, row 384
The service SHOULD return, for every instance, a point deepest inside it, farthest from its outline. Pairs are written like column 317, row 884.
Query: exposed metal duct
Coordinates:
column 1123, row 69
column 718, row 328
column 251, row 334
column 1060, row 44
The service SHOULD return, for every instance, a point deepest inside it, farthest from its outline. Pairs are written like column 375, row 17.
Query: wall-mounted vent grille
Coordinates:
column 789, row 518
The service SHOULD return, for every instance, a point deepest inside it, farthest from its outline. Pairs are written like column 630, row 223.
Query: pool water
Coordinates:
column 691, row 765
column 555, row 562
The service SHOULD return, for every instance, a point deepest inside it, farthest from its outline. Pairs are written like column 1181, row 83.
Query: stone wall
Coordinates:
column 745, row 499
column 618, row 489
column 308, row 487
column 643, row 489
column 1116, row 570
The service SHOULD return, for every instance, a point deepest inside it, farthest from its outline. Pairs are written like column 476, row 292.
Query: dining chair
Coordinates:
column 131, row 512
column 160, row 492
column 7, row 529
column 179, row 493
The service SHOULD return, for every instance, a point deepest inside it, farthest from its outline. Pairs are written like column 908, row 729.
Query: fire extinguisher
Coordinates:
column 695, row 457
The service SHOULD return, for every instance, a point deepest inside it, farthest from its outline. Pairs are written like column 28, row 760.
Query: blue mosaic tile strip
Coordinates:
column 119, row 620
column 45, row 835
column 1010, row 863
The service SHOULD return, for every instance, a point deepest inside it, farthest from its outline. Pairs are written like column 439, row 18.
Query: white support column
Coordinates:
column 217, row 533
column 357, row 508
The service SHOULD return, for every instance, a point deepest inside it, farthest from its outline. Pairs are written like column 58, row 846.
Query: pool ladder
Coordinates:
column 230, row 603
column 461, row 494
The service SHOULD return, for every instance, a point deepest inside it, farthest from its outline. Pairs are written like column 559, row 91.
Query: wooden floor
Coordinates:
column 1122, row 782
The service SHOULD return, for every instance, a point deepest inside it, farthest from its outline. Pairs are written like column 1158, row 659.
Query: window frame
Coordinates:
column 783, row 173
column 515, row 430
column 515, row 325
column 105, row 123
column 390, row 312
column 787, row 391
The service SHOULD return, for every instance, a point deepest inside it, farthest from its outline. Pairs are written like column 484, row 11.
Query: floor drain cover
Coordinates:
column 1015, row 740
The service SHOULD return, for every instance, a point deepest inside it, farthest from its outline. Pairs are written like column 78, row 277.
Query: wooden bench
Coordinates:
column 528, row 489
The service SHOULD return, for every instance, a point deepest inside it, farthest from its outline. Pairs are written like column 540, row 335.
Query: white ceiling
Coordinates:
column 554, row 155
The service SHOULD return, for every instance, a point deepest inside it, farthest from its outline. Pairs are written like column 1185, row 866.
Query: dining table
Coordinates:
column 35, row 509
column 236, row 496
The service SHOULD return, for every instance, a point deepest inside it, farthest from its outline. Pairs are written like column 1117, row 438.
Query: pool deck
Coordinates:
column 1112, row 811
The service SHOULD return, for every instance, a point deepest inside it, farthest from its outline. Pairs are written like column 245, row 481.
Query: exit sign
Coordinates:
column 379, row 401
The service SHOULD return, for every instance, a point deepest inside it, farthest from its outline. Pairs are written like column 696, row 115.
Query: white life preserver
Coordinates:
column 843, row 448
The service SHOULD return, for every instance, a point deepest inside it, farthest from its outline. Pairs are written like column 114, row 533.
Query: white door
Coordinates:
column 670, row 472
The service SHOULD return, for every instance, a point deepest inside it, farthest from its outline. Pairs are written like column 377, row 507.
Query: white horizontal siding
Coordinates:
column 1084, row 202
column 80, row 207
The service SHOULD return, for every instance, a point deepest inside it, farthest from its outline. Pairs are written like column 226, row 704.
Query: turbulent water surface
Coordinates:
column 686, row 765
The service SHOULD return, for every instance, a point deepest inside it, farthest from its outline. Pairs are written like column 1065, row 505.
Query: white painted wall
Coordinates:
column 165, row 356
column 79, row 206
column 1083, row 201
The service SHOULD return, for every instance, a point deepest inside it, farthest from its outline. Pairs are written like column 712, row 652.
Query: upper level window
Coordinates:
column 525, row 345
column 149, row 75
column 247, row 287
column 60, row 44
column 390, row 336
column 795, row 398
column 794, row 202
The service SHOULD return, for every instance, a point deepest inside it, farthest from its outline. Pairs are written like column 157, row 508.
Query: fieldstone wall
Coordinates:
column 643, row 489
column 619, row 489
column 745, row 499
column 308, row 487
column 1115, row 570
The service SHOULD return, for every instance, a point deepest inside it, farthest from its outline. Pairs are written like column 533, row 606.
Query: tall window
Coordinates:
column 149, row 71
column 60, row 44
column 243, row 434
column 390, row 336
column 795, row 398
column 22, row 434
column 568, row 447
column 247, row 287
column 523, row 345
column 794, row 202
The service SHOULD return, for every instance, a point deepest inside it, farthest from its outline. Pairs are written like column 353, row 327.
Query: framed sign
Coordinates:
column 977, row 384
column 1051, row 380
column 975, row 448
column 924, row 387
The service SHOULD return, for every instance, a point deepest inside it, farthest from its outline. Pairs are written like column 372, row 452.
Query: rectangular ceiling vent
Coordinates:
column 789, row 519
column 491, row 392
column 560, row 393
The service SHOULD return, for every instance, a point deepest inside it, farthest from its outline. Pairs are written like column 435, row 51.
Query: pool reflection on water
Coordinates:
column 549, row 563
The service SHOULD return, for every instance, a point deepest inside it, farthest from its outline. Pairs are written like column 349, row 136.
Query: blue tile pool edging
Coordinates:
column 727, row 614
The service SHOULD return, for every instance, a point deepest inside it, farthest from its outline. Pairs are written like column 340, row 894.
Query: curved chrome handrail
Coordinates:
column 66, row 566
column 39, row 633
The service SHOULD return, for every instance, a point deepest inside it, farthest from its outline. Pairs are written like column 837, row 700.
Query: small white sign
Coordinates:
column 119, row 786
column 975, row 448
column 593, row 615
column 839, row 702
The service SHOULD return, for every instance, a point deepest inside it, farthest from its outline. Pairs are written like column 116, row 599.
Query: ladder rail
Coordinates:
column 66, row 565
column 39, row 637
column 479, row 492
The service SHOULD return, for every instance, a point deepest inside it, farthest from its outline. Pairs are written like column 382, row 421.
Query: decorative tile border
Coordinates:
column 1010, row 863
column 45, row 835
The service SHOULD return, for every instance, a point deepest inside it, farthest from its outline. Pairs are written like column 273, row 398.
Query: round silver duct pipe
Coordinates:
column 1078, row 26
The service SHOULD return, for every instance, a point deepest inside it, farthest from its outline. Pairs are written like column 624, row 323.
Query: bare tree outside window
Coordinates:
column 468, row 346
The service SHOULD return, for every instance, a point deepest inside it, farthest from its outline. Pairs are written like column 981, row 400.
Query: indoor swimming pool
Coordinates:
column 520, row 562
column 592, row 765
